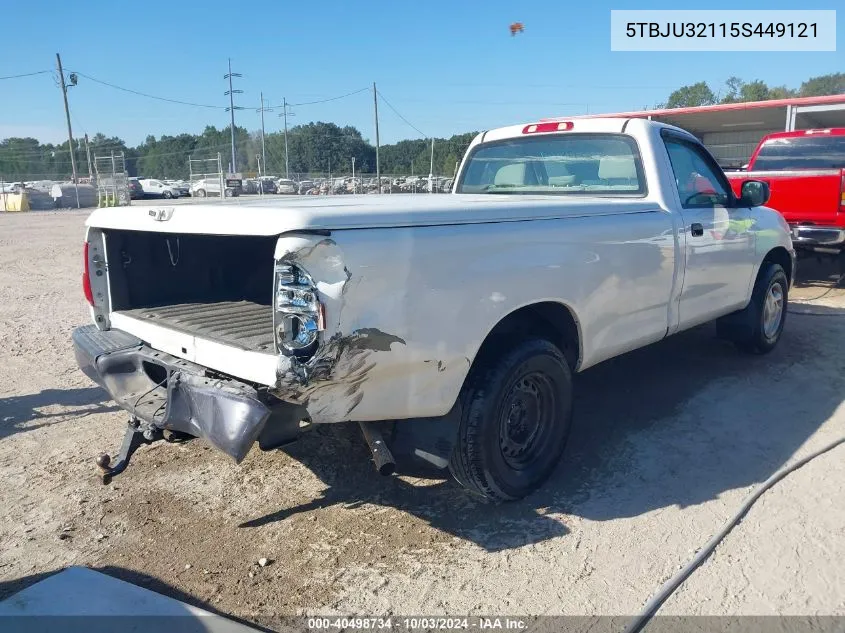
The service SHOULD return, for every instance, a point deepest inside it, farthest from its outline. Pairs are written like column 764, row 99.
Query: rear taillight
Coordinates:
column 299, row 315
column 86, row 278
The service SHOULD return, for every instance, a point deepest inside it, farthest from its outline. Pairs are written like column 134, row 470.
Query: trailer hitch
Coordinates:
column 137, row 434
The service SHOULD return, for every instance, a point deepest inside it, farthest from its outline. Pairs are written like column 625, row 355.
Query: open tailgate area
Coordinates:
column 204, row 298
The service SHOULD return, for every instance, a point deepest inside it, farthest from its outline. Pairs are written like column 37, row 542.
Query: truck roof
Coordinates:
column 608, row 125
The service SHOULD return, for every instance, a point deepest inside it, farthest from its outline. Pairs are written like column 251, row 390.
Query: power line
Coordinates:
column 304, row 103
column 149, row 96
column 396, row 112
column 38, row 72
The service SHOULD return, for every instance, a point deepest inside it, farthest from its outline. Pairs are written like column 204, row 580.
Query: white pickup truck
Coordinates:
column 448, row 327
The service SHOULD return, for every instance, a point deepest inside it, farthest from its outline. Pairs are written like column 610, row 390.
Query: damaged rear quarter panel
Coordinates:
column 377, row 359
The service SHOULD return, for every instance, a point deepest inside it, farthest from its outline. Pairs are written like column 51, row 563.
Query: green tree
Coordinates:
column 832, row 84
column 733, row 90
column 756, row 90
column 698, row 94
column 782, row 92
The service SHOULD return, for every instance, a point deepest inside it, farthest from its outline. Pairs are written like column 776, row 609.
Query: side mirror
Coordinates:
column 754, row 193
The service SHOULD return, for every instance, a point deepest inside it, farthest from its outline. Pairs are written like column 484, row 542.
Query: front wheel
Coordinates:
column 516, row 416
column 758, row 328
column 201, row 193
column 168, row 195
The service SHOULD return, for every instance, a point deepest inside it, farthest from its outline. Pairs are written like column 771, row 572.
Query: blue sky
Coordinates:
column 447, row 67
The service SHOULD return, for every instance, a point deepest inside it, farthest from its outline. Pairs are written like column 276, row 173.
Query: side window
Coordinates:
column 698, row 184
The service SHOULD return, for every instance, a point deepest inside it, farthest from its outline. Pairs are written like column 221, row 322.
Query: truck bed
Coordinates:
column 242, row 324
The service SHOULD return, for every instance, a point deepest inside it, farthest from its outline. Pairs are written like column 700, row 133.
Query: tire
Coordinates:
column 758, row 328
column 515, row 420
column 168, row 195
column 200, row 193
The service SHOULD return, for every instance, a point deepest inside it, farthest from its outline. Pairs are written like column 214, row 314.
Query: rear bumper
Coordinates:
column 812, row 236
column 171, row 393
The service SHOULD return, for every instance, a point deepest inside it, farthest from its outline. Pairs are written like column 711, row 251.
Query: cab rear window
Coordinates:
column 802, row 152
column 587, row 164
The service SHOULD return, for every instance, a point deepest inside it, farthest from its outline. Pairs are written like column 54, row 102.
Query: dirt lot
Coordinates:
column 668, row 441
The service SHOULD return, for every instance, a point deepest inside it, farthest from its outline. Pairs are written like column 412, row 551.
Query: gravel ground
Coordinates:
column 668, row 441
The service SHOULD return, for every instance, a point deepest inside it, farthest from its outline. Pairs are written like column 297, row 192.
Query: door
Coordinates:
column 718, row 235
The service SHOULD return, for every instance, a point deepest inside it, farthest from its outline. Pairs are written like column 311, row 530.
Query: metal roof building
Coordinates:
column 732, row 130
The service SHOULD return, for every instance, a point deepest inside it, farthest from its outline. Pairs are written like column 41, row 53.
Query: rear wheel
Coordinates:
column 757, row 328
column 516, row 416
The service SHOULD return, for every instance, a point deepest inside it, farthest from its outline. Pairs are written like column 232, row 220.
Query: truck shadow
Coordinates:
column 691, row 418
column 351, row 481
column 19, row 414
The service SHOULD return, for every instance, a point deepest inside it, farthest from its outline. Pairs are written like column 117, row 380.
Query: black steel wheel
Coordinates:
column 516, row 416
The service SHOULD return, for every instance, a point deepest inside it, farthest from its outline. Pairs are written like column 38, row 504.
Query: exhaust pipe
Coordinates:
column 382, row 456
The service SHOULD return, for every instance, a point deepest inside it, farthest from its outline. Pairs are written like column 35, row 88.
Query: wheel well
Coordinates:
column 549, row 320
column 780, row 256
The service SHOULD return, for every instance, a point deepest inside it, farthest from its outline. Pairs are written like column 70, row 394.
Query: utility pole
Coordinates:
column 354, row 185
column 378, row 167
column 231, row 93
column 262, row 110
column 69, row 129
column 286, row 114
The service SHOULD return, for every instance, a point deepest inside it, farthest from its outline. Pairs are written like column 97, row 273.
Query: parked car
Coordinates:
column 155, row 188
column 249, row 186
column 211, row 187
column 805, row 170
column 305, row 186
column 448, row 327
column 136, row 191
column 181, row 186
column 283, row 185
column 267, row 185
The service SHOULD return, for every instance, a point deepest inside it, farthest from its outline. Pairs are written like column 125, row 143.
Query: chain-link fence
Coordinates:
column 112, row 182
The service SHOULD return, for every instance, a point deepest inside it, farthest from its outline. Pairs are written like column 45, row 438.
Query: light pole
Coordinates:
column 286, row 114
column 378, row 166
column 262, row 110
column 431, row 169
column 354, row 184
column 231, row 93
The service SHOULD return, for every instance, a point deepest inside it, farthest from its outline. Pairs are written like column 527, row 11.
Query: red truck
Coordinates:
column 805, row 171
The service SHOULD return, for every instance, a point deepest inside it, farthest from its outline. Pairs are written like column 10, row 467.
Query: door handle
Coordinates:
column 696, row 230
